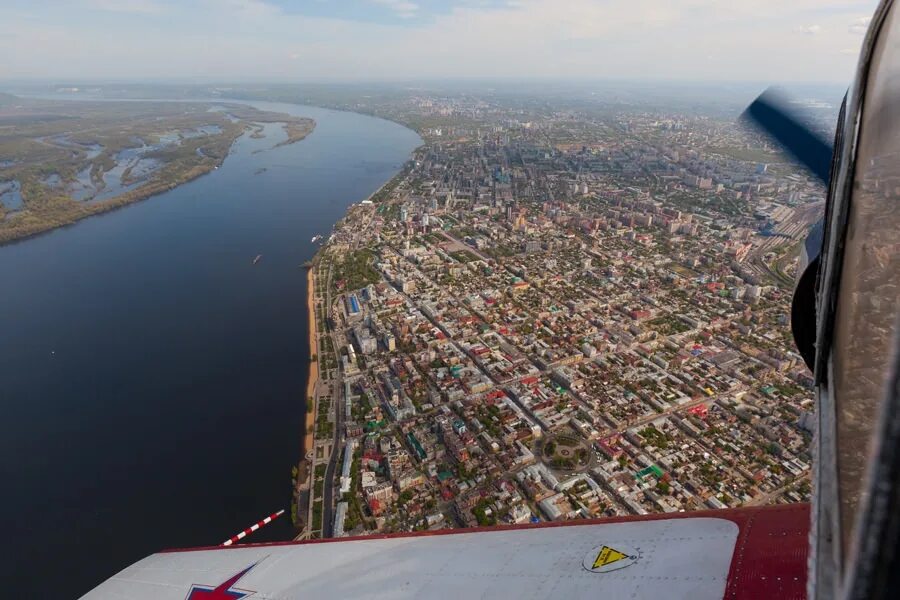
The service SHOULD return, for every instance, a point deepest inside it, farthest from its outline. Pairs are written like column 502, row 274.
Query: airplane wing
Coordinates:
column 746, row 553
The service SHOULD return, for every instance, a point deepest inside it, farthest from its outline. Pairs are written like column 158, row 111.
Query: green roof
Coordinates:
column 648, row 470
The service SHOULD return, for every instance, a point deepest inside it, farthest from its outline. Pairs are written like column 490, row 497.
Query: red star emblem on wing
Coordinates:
column 223, row 591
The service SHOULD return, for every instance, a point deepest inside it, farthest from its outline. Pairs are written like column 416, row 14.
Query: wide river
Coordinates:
column 151, row 376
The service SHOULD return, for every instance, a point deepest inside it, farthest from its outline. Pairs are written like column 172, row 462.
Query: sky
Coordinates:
column 403, row 40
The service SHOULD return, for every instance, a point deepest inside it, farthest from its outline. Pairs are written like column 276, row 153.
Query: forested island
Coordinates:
column 61, row 161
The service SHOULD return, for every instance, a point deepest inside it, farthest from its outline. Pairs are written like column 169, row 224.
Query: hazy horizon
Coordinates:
column 397, row 41
column 486, row 80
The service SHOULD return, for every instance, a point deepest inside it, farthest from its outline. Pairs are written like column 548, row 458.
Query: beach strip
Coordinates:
column 309, row 437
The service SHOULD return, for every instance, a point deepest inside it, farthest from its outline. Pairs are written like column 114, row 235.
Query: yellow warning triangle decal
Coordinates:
column 607, row 556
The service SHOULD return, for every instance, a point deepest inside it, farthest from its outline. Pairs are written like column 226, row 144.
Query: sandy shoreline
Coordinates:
column 312, row 379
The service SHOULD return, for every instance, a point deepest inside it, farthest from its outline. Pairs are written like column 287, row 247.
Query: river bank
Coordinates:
column 24, row 227
column 161, row 304
column 309, row 437
column 121, row 136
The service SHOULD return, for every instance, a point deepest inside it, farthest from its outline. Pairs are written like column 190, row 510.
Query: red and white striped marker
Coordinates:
column 253, row 528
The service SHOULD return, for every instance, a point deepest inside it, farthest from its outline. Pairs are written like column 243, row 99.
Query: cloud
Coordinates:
column 128, row 6
column 238, row 9
column 860, row 26
column 499, row 39
column 402, row 8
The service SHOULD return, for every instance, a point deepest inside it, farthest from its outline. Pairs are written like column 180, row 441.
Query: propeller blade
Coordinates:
column 770, row 113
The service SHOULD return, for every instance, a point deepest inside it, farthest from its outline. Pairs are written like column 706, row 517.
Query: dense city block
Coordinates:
column 562, row 315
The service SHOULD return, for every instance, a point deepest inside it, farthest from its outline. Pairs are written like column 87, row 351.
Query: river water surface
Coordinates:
column 152, row 377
